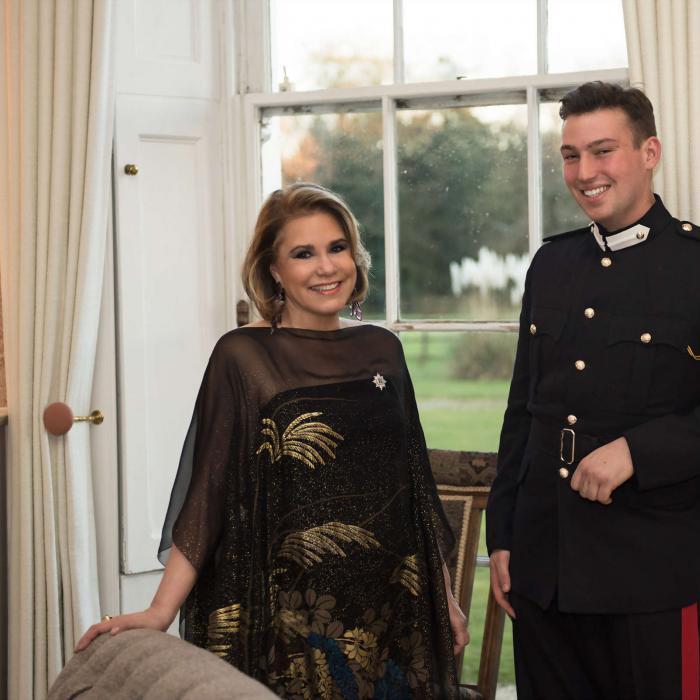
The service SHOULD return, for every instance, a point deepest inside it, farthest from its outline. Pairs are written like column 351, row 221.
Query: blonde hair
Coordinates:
column 281, row 207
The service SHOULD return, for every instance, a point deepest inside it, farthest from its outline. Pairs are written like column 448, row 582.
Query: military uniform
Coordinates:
column 609, row 346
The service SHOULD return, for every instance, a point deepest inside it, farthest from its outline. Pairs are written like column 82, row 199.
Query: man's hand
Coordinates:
column 602, row 471
column 500, row 579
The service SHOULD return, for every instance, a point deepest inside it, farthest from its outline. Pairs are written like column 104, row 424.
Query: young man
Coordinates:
column 593, row 523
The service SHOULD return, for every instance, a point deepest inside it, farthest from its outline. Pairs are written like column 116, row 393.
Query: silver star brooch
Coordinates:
column 379, row 381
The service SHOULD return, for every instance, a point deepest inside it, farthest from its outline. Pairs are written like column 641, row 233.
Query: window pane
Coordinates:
column 444, row 39
column 342, row 152
column 585, row 35
column 321, row 44
column 461, row 382
column 463, row 223
column 472, row 654
column 560, row 212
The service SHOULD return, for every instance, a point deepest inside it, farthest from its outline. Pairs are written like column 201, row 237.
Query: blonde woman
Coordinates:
column 304, row 534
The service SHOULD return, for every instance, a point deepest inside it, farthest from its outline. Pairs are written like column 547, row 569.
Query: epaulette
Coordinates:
column 685, row 228
column 568, row 234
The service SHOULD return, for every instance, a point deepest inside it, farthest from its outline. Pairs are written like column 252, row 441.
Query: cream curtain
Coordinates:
column 664, row 58
column 55, row 148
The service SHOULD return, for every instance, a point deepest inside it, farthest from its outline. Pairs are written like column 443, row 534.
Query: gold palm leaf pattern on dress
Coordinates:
column 408, row 574
column 307, row 547
column 306, row 442
column 223, row 623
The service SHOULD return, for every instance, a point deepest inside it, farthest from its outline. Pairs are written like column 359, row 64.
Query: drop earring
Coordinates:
column 280, row 298
column 356, row 310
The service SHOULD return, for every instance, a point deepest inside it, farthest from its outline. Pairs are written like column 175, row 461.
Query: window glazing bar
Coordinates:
column 534, row 171
column 542, row 10
column 449, row 88
column 447, row 325
column 391, row 210
column 399, row 64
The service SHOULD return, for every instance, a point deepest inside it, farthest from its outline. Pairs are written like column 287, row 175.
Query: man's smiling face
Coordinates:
column 608, row 174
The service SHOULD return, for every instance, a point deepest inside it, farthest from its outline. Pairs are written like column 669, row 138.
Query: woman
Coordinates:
column 304, row 530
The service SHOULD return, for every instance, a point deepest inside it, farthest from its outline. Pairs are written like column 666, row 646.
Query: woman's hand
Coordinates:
column 458, row 620
column 152, row 618
column 178, row 578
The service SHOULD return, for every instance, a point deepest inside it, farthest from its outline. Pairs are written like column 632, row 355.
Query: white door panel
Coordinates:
column 171, row 309
column 167, row 47
column 137, row 592
column 103, row 445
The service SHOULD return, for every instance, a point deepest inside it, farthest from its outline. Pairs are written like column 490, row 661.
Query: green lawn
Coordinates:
column 460, row 414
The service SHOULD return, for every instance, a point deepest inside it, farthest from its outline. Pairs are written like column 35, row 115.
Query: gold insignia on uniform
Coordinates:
column 692, row 354
column 687, row 227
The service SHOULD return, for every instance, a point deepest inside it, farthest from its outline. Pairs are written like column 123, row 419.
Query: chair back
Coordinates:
column 463, row 480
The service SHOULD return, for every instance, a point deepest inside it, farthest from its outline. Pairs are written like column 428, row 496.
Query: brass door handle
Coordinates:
column 59, row 418
column 131, row 169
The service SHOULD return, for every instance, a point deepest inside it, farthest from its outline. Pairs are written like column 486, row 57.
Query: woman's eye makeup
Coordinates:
column 305, row 253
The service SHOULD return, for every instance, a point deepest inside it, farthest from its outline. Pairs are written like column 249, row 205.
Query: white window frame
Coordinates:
column 255, row 97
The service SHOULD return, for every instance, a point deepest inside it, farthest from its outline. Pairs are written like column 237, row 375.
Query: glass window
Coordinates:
column 463, row 222
column 320, row 44
column 444, row 39
column 560, row 212
column 585, row 35
column 344, row 153
column 461, row 383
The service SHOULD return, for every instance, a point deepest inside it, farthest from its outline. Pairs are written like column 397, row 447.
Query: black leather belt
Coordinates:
column 565, row 443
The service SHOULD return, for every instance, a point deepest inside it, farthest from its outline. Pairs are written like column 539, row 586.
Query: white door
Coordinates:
column 170, row 307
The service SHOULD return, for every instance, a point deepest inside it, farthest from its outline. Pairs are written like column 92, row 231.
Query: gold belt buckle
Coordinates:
column 573, row 446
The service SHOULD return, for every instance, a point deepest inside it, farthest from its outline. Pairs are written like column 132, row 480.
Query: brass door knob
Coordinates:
column 59, row 418
column 131, row 169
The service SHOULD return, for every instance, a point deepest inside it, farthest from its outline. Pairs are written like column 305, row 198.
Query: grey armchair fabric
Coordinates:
column 148, row 665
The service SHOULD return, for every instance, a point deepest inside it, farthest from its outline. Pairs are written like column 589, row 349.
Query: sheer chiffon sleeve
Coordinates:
column 196, row 511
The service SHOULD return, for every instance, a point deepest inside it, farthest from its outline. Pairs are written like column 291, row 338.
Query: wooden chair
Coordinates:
column 463, row 480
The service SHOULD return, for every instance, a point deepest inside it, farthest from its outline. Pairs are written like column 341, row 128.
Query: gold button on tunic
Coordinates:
column 645, row 337
column 571, row 420
column 589, row 312
column 606, row 262
column 580, row 365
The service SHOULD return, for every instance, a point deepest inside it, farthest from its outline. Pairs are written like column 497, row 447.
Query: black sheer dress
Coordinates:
column 305, row 501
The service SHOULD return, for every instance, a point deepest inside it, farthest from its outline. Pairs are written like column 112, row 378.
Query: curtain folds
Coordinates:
column 664, row 57
column 55, row 149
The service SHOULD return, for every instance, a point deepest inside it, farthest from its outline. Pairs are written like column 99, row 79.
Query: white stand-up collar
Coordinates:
column 622, row 239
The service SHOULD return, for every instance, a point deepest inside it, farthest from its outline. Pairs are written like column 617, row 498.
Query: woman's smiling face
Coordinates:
column 315, row 265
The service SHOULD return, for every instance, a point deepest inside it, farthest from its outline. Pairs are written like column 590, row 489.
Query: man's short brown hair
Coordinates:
column 596, row 95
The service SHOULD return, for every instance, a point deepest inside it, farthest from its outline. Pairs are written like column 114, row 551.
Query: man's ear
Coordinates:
column 652, row 152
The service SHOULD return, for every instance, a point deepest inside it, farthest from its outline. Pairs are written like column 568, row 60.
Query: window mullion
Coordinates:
column 542, row 66
column 391, row 210
column 534, row 171
column 399, row 62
